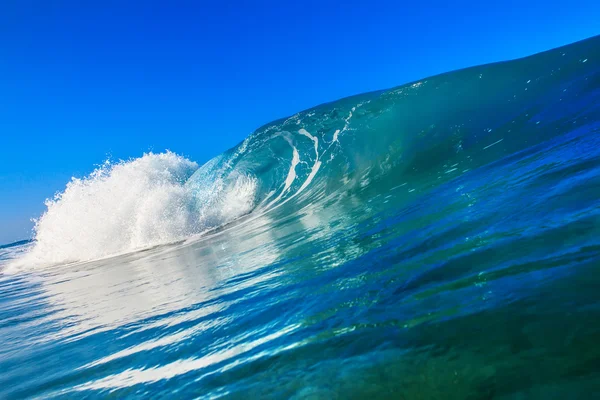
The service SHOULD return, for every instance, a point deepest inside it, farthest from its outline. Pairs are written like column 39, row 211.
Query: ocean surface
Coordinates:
column 437, row 240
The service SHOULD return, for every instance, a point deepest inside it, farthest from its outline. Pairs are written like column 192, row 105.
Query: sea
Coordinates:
column 436, row 240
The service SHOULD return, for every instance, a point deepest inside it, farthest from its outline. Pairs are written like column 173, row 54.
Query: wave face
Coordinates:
column 440, row 239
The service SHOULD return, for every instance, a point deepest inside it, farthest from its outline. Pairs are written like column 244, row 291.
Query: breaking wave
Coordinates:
column 415, row 137
column 131, row 205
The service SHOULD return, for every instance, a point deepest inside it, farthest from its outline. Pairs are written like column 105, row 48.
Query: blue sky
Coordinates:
column 82, row 81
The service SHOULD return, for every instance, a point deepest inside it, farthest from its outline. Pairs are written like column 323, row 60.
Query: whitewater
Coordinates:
column 440, row 239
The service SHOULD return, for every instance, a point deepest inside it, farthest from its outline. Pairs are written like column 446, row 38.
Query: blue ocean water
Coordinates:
column 438, row 240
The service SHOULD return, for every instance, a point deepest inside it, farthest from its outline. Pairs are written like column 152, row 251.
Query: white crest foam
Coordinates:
column 134, row 204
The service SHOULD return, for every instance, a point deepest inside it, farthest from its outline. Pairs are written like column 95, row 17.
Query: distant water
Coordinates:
column 438, row 240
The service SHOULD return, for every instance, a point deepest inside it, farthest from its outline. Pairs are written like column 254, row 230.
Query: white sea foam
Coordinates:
column 317, row 163
column 130, row 205
column 291, row 176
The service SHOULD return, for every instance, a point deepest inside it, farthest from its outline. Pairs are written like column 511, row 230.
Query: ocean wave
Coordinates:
column 417, row 136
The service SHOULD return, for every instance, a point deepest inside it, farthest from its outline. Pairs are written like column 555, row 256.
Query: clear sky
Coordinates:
column 84, row 80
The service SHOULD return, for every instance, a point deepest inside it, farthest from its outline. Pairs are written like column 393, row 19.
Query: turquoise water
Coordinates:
column 438, row 240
